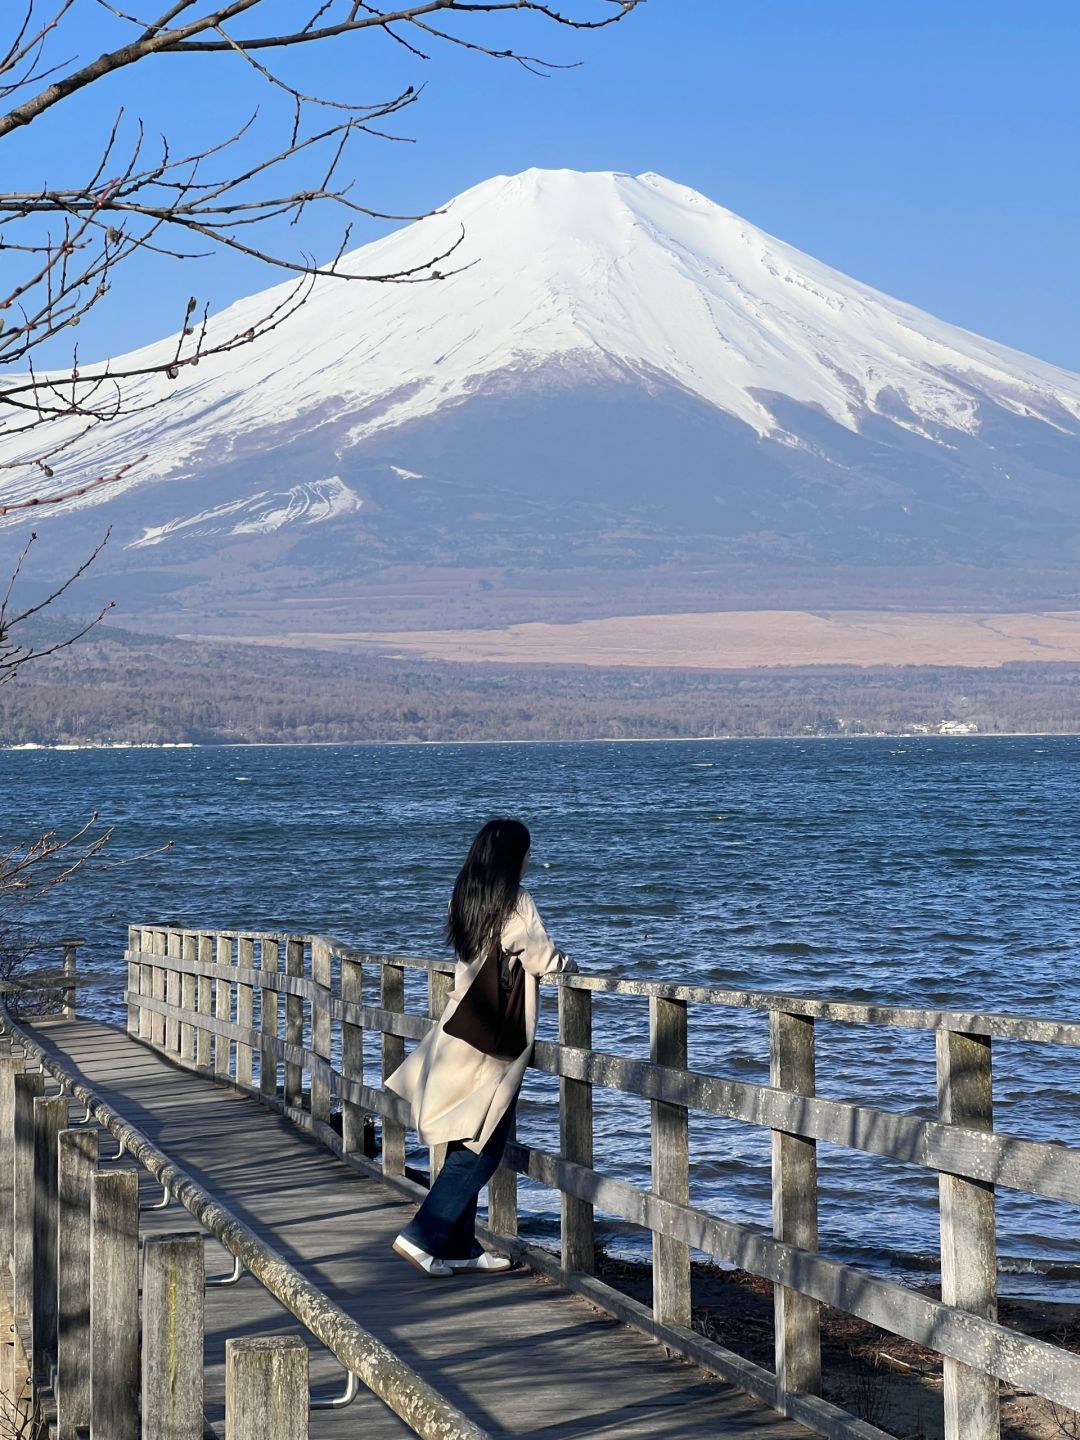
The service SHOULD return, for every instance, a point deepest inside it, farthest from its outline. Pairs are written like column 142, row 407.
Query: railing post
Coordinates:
column 172, row 1327
column 439, row 987
column 134, row 985
column 670, row 1164
column 270, row 958
column 245, row 1011
column 503, row 1196
column 50, row 1117
column 157, row 1021
column 77, row 1153
column 266, row 1388
column 223, row 1006
column 71, row 951
column 173, row 992
column 205, row 1003
column 320, row 1027
column 392, row 999
column 968, row 1236
column 146, row 984
column 188, row 991
column 114, row 1304
column 294, row 1023
column 28, row 1088
column 10, row 1066
column 576, row 1130
column 797, row 1320
column 352, row 1055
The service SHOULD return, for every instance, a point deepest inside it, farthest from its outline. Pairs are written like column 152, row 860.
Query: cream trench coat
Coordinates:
column 454, row 1091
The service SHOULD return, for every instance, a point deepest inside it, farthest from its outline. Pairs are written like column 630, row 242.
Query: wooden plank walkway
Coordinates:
column 518, row 1355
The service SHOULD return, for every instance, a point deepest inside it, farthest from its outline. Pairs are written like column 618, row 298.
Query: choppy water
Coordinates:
column 937, row 871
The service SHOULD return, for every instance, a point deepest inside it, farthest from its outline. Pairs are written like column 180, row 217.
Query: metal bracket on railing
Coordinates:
column 162, row 1204
column 87, row 1117
column 111, row 1159
column 230, row 1279
column 338, row 1402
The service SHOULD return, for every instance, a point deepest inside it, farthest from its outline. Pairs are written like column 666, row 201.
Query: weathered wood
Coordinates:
column 797, row 1322
column 71, row 951
column 50, row 1117
column 320, row 1026
column 114, row 1304
column 503, row 1195
column 294, row 1021
column 28, row 1088
column 172, row 1349
column 352, row 1056
column 205, row 1004
column 223, row 1004
column 174, row 950
column 392, row 996
column 158, row 943
column 245, row 1012
column 10, row 1066
column 134, row 978
column 576, row 1133
column 968, row 1246
column 1022, row 1362
column 268, row 1018
column 188, row 990
column 670, row 1164
column 77, row 1152
column 439, row 986
column 146, row 980
column 266, row 1388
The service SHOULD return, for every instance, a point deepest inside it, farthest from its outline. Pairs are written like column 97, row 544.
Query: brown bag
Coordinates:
column 491, row 1014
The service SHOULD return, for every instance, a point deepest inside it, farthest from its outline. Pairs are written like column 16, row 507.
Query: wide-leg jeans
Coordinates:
column 445, row 1224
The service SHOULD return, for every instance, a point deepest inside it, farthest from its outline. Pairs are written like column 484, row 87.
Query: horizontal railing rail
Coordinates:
column 424, row 1410
column 284, row 1015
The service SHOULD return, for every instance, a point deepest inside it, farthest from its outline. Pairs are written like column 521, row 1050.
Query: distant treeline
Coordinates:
column 118, row 686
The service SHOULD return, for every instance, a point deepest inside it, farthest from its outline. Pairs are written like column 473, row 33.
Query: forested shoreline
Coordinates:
column 119, row 687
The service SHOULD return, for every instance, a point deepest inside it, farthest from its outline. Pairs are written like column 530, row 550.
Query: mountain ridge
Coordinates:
column 615, row 372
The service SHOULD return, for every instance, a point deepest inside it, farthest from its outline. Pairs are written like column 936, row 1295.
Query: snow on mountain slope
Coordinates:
column 606, row 275
column 262, row 514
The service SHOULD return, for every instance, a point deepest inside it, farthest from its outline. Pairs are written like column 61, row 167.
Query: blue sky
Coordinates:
column 929, row 149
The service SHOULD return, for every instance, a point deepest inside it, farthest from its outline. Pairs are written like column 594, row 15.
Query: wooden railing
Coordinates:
column 284, row 1016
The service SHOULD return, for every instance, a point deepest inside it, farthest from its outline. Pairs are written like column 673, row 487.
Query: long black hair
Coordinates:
column 487, row 887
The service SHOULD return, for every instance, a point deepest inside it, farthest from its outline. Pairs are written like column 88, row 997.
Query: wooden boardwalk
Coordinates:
column 518, row 1355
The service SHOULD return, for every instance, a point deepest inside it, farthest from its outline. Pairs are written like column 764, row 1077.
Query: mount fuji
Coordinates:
column 615, row 378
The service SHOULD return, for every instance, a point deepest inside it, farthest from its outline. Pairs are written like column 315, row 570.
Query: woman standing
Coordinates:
column 462, row 1080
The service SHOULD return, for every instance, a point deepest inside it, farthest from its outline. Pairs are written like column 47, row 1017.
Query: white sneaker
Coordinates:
column 484, row 1264
column 427, row 1264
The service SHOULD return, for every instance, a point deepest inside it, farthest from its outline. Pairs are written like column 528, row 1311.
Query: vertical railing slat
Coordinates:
column 28, row 1088
column 439, row 987
column 188, row 993
column 172, row 1327
column 268, row 1065
column 245, row 1011
column 77, row 1152
column 392, row 998
column 223, row 1006
column 173, row 991
column 205, row 1003
column 968, row 1236
column 157, row 987
column 352, row 1055
column 50, row 1117
column 576, row 1130
column 134, row 985
column 670, row 1163
column 294, row 1022
column 114, row 1304
column 797, row 1322
column 321, row 968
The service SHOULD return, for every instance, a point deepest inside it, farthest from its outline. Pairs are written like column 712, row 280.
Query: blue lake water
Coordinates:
column 936, row 871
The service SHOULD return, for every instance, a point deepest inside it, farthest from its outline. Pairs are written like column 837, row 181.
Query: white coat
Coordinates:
column 455, row 1092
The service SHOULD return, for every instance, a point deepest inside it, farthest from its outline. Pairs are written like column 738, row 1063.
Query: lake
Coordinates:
column 940, row 871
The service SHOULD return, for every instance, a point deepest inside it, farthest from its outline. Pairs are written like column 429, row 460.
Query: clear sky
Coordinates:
column 929, row 148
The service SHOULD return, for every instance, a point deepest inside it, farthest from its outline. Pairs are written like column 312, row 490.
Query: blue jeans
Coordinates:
column 445, row 1224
